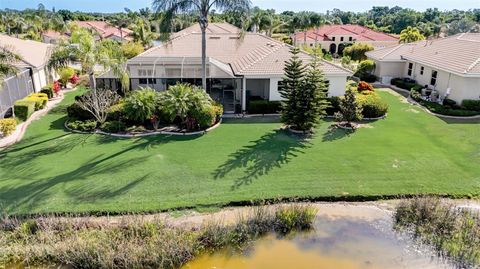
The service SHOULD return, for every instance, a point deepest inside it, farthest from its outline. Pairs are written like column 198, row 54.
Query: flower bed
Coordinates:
column 447, row 108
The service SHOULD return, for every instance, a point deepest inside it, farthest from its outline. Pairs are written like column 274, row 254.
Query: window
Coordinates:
column 410, row 69
column 152, row 81
column 350, row 39
column 433, row 81
column 333, row 38
column 144, row 72
column 422, row 70
column 341, row 38
column 311, row 44
column 143, row 81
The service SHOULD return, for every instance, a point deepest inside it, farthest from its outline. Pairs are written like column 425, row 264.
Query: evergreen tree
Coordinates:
column 290, row 86
column 349, row 109
column 312, row 97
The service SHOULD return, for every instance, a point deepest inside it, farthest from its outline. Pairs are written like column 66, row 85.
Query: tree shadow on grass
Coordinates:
column 334, row 133
column 271, row 151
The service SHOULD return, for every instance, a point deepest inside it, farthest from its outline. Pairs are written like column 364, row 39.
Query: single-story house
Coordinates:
column 449, row 65
column 53, row 37
column 32, row 73
column 240, row 66
column 334, row 38
column 107, row 30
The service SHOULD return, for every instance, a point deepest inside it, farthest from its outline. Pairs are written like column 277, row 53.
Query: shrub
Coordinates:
column 449, row 102
column 444, row 110
column 116, row 112
column 417, row 88
column 65, row 75
column 334, row 106
column 83, row 126
column 48, row 90
column 357, row 51
column 368, row 77
column 74, row 111
column 471, row 104
column 131, row 49
column 406, row 84
column 218, row 111
column 365, row 67
column 264, row 107
column 415, row 95
column 205, row 116
column 7, row 126
column 113, row 127
column 56, row 87
column 140, row 105
column 40, row 100
column 23, row 109
column 365, row 88
column 372, row 106
column 295, row 217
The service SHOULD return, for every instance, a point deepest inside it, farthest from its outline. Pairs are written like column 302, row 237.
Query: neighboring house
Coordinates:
column 106, row 30
column 334, row 38
column 53, row 37
column 32, row 73
column 240, row 66
column 449, row 65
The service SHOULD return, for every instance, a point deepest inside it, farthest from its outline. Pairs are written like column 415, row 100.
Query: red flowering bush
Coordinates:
column 365, row 88
column 74, row 79
column 56, row 87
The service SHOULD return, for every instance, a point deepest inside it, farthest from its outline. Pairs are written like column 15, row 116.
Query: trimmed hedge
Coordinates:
column 263, row 107
column 372, row 106
column 473, row 105
column 40, row 100
column 48, row 90
column 23, row 109
column 7, row 126
column 447, row 110
column 406, row 85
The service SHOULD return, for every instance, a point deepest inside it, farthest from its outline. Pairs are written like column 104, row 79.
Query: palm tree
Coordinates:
column 120, row 22
column 7, row 60
column 410, row 34
column 83, row 48
column 141, row 33
column 202, row 8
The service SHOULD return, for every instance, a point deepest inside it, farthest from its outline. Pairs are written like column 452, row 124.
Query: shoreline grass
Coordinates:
column 137, row 243
column 453, row 232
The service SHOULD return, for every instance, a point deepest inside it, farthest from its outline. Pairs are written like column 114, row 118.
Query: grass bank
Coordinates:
column 134, row 242
column 410, row 152
column 453, row 232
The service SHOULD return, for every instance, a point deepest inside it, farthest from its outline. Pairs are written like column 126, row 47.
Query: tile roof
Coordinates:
column 459, row 53
column 359, row 33
column 105, row 29
column 246, row 53
column 33, row 53
column 213, row 28
column 54, row 34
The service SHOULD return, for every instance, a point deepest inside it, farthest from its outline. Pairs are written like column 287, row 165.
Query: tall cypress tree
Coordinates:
column 312, row 99
column 292, row 82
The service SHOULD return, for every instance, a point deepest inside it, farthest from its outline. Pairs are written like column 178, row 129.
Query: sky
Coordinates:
column 278, row 5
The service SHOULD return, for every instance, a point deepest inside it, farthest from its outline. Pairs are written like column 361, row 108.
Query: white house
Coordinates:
column 240, row 66
column 449, row 65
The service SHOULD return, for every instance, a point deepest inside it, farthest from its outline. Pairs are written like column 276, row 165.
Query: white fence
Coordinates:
column 14, row 88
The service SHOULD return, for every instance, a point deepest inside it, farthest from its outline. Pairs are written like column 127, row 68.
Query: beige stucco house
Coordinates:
column 334, row 38
column 449, row 65
column 240, row 66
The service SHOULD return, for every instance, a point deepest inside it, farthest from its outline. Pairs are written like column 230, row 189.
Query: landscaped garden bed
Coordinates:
column 182, row 110
column 448, row 107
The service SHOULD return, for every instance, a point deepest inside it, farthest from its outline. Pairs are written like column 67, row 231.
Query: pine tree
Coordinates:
column 312, row 97
column 349, row 109
column 290, row 86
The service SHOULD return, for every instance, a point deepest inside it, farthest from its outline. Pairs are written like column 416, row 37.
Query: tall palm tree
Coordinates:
column 7, row 60
column 141, row 33
column 202, row 8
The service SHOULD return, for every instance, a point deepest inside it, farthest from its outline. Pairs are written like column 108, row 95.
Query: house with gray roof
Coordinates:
column 449, row 65
column 241, row 66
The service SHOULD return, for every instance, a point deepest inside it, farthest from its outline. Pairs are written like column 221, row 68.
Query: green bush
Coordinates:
column 83, row 126
column 263, row 107
column 65, row 75
column 7, row 126
column 23, row 109
column 113, row 127
column 443, row 110
column 406, row 85
column 473, row 105
column 140, row 105
column 205, row 116
column 449, row 103
column 372, row 106
column 116, row 112
column 417, row 88
column 40, row 100
column 48, row 90
column 334, row 106
column 74, row 111
column 218, row 111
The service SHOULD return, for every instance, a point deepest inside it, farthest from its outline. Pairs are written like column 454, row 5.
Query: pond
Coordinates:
column 348, row 237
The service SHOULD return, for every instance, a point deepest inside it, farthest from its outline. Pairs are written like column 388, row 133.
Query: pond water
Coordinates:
column 346, row 242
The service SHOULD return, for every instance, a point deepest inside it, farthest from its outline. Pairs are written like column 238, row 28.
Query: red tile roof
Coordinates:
column 105, row 29
column 358, row 32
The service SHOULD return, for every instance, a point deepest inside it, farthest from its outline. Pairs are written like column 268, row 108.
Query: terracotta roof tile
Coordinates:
column 359, row 33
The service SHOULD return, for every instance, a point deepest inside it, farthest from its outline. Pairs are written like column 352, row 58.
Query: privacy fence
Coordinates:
column 14, row 88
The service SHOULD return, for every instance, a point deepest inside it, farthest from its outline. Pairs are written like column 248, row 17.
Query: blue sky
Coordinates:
column 279, row 5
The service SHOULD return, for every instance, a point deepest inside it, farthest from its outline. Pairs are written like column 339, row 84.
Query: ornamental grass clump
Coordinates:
column 135, row 241
column 454, row 232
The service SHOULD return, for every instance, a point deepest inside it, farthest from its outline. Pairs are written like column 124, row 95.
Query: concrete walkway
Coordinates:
column 18, row 134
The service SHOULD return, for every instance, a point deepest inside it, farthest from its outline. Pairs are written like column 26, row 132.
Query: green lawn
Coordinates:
column 410, row 152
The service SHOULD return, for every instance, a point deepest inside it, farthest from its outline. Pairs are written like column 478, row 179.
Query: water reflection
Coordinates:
column 335, row 243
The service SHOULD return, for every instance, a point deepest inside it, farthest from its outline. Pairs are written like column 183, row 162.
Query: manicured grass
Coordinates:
column 410, row 152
